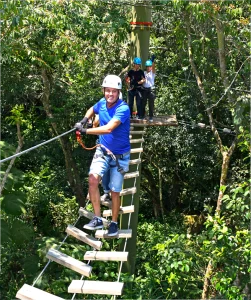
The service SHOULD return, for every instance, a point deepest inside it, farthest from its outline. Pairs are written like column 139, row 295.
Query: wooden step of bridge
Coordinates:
column 89, row 215
column 122, row 210
column 136, row 150
column 106, row 255
column 96, row 287
column 122, row 233
column 135, row 141
column 131, row 175
column 69, row 262
column 128, row 191
column 84, row 237
column 136, row 161
column 28, row 292
column 137, row 132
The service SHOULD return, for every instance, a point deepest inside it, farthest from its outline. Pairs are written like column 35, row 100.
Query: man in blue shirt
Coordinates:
column 114, row 153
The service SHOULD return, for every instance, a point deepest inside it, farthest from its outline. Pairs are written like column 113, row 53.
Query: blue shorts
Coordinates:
column 106, row 168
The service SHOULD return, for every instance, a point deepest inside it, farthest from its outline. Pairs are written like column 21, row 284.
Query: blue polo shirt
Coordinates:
column 118, row 140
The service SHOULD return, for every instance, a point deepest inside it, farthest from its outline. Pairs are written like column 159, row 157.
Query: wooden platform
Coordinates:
column 160, row 120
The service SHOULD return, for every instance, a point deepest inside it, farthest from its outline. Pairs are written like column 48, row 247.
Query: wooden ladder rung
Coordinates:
column 69, row 262
column 140, row 124
column 28, row 292
column 131, row 175
column 123, row 233
column 137, row 132
column 134, row 141
column 90, row 215
column 107, row 203
column 106, row 255
column 123, row 210
column 84, row 237
column 96, row 287
column 136, row 150
column 128, row 191
column 136, row 161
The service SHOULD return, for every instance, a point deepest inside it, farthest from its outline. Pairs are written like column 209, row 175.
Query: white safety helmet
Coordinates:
column 112, row 81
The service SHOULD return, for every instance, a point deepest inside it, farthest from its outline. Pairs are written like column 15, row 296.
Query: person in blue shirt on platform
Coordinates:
column 113, row 154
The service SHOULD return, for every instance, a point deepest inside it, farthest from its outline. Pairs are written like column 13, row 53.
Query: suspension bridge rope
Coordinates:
column 34, row 147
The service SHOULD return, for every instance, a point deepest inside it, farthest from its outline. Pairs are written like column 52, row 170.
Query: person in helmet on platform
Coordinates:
column 148, row 93
column 135, row 79
column 113, row 156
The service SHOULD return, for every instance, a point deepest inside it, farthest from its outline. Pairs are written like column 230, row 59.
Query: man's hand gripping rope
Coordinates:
column 81, row 130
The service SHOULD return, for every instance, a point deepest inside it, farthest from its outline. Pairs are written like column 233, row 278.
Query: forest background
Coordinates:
column 194, row 199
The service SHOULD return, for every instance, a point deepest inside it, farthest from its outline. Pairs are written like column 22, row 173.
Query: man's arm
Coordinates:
column 105, row 129
column 90, row 113
column 153, row 65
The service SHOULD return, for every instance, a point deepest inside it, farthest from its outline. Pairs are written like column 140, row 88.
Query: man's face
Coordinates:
column 136, row 67
column 111, row 94
column 148, row 69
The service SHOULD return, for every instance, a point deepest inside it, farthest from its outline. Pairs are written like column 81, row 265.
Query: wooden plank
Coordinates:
column 135, row 161
column 131, row 175
column 128, row 191
column 123, row 210
column 123, row 233
column 90, row 215
column 107, row 203
column 136, row 150
column 28, row 292
column 84, row 237
column 135, row 141
column 161, row 120
column 137, row 132
column 96, row 287
column 106, row 255
column 69, row 262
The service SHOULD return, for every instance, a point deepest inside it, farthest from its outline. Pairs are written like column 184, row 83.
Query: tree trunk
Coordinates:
column 160, row 194
column 71, row 168
column 226, row 154
column 152, row 190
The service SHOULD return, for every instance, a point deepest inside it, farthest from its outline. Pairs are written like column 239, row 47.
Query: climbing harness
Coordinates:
column 106, row 152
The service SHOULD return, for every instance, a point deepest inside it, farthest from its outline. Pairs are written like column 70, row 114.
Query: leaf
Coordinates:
column 187, row 268
column 5, row 232
column 31, row 264
column 20, row 232
column 13, row 204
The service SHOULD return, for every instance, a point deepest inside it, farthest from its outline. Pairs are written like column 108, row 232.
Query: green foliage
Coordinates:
column 170, row 269
column 78, row 43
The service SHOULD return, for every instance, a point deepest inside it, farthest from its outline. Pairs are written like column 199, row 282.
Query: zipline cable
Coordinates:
column 39, row 145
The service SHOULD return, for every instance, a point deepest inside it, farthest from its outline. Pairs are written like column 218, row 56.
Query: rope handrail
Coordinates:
column 34, row 147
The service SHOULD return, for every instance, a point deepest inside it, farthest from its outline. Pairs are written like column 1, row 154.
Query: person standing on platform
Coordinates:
column 148, row 93
column 135, row 79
